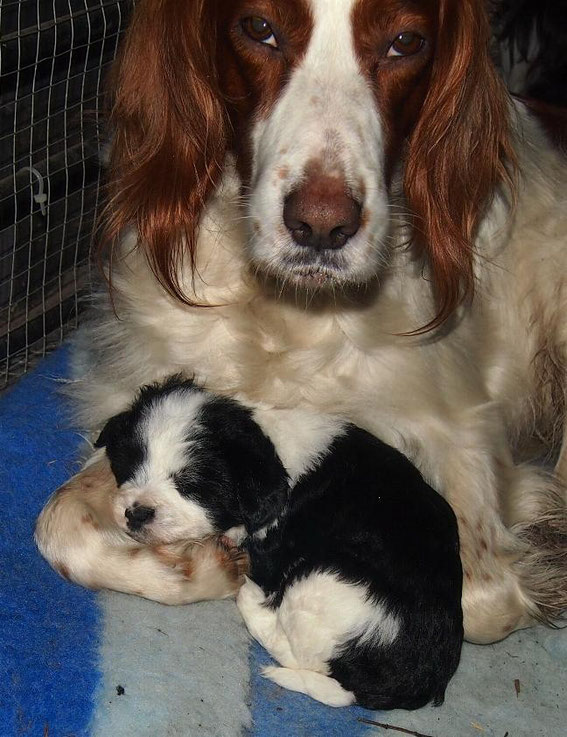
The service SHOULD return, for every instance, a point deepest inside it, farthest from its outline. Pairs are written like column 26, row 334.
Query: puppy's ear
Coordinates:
column 115, row 428
column 259, row 479
column 262, row 490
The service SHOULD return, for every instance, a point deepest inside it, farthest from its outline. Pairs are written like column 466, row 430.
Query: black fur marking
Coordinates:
column 366, row 514
column 258, row 478
column 236, row 476
column 124, row 447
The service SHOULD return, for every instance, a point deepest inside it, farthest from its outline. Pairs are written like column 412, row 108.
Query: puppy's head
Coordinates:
column 189, row 464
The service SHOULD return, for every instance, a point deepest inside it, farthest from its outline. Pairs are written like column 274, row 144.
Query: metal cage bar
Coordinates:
column 54, row 56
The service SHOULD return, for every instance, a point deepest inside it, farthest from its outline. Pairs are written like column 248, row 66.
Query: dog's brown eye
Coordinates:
column 258, row 29
column 406, row 44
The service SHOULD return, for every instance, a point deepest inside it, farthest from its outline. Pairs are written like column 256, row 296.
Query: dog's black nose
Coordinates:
column 138, row 516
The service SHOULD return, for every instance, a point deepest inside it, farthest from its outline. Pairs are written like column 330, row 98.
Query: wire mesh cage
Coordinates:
column 54, row 55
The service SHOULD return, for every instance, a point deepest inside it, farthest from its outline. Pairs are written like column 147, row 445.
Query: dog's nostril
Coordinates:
column 138, row 516
column 302, row 234
column 339, row 236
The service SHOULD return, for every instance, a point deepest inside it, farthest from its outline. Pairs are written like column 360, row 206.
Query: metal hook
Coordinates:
column 40, row 197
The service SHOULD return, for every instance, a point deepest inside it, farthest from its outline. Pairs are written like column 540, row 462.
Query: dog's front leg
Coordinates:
column 76, row 532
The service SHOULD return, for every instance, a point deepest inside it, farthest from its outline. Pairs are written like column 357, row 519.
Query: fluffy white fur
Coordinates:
column 318, row 615
column 78, row 533
column 463, row 405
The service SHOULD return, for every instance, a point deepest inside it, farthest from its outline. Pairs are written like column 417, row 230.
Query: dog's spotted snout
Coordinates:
column 138, row 516
column 321, row 214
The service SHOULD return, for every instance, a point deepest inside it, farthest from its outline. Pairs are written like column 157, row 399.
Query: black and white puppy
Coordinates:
column 189, row 464
column 355, row 582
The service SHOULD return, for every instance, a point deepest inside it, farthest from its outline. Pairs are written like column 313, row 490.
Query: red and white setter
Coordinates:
column 334, row 205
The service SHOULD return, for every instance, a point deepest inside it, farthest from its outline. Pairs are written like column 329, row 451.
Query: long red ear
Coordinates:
column 459, row 151
column 170, row 131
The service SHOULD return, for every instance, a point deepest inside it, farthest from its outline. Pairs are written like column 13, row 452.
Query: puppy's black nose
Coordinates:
column 138, row 516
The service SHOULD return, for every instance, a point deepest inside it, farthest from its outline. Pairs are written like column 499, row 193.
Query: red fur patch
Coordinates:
column 447, row 105
column 189, row 83
column 186, row 88
column 251, row 74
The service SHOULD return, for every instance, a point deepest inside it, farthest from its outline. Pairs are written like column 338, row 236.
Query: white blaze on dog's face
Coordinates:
column 337, row 85
column 148, row 450
column 306, row 139
column 169, row 450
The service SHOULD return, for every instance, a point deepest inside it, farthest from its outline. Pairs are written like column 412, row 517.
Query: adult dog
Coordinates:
column 334, row 204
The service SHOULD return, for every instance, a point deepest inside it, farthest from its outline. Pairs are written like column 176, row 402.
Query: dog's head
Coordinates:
column 189, row 464
column 326, row 105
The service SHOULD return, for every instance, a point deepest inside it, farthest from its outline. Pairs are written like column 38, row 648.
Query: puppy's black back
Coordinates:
column 366, row 514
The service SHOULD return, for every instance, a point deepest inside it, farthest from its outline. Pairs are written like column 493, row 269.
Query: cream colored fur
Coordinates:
column 463, row 405
column 78, row 534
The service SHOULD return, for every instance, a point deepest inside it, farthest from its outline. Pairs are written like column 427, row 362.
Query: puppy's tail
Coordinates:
column 318, row 686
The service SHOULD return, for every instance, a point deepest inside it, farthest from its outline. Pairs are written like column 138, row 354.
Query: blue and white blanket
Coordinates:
column 76, row 663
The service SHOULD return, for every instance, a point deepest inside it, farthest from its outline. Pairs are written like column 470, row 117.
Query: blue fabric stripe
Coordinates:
column 50, row 633
column 49, row 628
